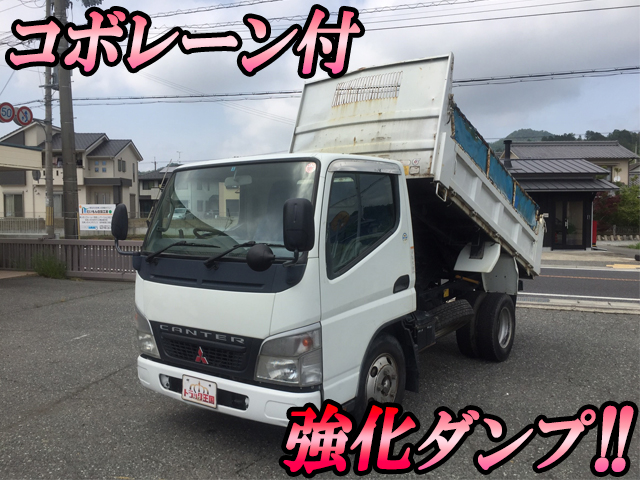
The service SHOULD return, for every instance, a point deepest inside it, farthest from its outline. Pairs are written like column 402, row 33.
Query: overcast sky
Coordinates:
column 198, row 131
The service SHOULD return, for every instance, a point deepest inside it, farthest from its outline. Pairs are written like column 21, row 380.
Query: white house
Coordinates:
column 107, row 172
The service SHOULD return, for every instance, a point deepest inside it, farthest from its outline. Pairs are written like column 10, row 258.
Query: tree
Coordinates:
column 628, row 214
column 565, row 137
column 594, row 136
column 605, row 207
column 621, row 209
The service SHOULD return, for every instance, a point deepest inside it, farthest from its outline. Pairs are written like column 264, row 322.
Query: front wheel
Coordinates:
column 495, row 327
column 383, row 374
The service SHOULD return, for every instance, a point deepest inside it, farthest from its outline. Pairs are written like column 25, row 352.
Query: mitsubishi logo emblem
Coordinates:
column 201, row 357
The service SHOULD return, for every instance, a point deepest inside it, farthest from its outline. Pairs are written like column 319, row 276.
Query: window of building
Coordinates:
column 97, row 169
column 146, row 186
column 97, row 163
column 133, row 171
column 104, row 170
column 200, row 206
column 119, row 165
column 124, row 166
column 13, row 206
column 104, row 162
column 103, row 198
column 609, row 170
column 57, row 205
column 362, row 214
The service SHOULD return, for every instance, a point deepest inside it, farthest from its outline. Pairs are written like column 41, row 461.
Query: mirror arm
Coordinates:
column 122, row 252
column 293, row 262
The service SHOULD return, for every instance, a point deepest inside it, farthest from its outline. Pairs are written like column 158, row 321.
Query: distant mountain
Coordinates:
column 522, row 135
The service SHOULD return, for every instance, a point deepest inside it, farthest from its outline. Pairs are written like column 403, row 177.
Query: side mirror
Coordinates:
column 120, row 222
column 299, row 232
column 120, row 228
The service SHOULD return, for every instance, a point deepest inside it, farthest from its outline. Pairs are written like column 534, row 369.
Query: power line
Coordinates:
column 362, row 11
column 5, row 85
column 210, row 8
column 276, row 94
column 506, row 79
column 531, row 15
column 242, row 108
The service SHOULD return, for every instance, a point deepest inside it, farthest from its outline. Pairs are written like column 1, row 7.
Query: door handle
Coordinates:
column 401, row 284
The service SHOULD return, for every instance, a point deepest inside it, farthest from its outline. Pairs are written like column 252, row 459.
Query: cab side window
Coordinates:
column 363, row 212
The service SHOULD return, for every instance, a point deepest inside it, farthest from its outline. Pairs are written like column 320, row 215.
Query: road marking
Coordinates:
column 618, row 265
column 594, row 269
column 593, row 278
column 78, row 338
column 579, row 296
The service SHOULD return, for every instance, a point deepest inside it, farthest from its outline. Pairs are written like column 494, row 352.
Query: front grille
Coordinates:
column 217, row 357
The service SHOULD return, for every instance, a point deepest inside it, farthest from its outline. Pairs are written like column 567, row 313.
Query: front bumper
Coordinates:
column 264, row 404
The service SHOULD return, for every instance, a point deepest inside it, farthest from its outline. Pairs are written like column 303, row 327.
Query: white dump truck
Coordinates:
column 275, row 281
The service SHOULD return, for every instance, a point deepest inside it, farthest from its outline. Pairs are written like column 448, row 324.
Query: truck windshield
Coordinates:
column 224, row 206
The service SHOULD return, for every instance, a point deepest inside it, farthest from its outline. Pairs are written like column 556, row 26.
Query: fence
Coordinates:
column 94, row 259
column 615, row 230
column 22, row 225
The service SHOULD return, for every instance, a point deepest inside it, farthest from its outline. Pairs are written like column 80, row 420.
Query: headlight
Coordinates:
column 146, row 342
column 294, row 359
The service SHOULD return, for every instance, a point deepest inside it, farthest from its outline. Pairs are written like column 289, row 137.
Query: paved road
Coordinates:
column 598, row 282
column 72, row 406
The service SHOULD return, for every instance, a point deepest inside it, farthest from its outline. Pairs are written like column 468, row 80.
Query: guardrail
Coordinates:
column 91, row 259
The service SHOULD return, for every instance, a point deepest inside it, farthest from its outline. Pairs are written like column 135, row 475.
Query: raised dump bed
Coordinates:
column 405, row 111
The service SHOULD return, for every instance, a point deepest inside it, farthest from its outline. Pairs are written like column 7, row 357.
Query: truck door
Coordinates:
column 366, row 253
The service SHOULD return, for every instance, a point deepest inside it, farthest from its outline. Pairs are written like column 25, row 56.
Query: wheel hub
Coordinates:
column 382, row 380
column 505, row 328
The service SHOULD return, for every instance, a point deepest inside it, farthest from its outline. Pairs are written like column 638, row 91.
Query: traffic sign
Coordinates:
column 7, row 112
column 24, row 116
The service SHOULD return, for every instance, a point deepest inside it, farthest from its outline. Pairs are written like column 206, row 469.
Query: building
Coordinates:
column 564, row 189
column 107, row 173
column 610, row 155
column 634, row 174
column 151, row 185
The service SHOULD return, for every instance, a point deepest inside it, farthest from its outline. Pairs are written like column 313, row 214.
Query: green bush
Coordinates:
column 49, row 266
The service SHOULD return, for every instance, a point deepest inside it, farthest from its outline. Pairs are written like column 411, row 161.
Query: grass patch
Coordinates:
column 49, row 266
column 636, row 246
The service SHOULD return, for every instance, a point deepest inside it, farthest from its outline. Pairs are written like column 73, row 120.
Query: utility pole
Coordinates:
column 48, row 153
column 69, row 173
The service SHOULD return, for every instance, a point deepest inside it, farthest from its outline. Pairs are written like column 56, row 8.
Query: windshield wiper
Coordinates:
column 181, row 243
column 209, row 262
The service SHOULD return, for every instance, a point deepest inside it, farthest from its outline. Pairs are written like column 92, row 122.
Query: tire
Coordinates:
column 466, row 335
column 495, row 327
column 384, row 361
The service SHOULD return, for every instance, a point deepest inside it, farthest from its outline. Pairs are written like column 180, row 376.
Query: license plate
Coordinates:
column 199, row 391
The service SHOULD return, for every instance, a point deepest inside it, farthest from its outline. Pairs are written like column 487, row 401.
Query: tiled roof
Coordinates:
column 587, row 185
column 83, row 140
column 110, row 148
column 577, row 149
column 554, row 167
column 155, row 175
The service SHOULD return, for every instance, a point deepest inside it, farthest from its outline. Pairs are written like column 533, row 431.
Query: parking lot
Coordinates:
column 73, row 407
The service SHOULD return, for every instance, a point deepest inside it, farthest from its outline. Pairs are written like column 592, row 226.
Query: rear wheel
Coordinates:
column 495, row 327
column 383, row 374
column 466, row 335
